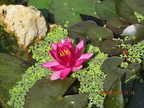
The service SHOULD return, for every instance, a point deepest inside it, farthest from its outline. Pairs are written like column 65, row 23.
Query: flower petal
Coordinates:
column 78, row 63
column 79, row 49
column 62, row 41
column 70, row 45
column 55, row 75
column 54, row 46
column 76, row 68
column 60, row 44
column 71, row 58
column 81, row 46
column 68, row 41
column 57, row 68
column 86, row 56
column 55, row 56
column 65, row 72
column 50, row 64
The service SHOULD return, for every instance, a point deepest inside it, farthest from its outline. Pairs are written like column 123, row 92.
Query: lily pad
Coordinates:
column 106, row 9
column 111, row 64
column 79, row 30
column 68, row 11
column 136, row 5
column 117, row 25
column 130, row 10
column 110, row 68
column 137, row 95
column 97, row 34
column 90, row 31
column 125, row 11
column 46, row 93
column 135, row 32
column 11, row 70
column 109, row 47
column 113, row 76
column 42, row 5
column 115, row 99
column 135, row 68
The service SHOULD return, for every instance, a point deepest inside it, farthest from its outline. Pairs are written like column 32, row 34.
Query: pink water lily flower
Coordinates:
column 67, row 58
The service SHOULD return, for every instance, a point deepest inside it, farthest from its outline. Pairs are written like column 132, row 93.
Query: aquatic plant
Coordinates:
column 134, row 52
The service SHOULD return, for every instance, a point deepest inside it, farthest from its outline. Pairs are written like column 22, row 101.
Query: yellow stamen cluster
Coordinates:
column 64, row 52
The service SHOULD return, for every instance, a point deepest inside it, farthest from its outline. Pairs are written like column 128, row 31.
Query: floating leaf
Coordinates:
column 117, row 25
column 42, row 5
column 111, row 64
column 135, row 32
column 136, row 100
column 136, row 5
column 97, row 34
column 113, row 76
column 110, row 68
column 68, row 11
column 115, row 99
column 135, row 68
column 90, row 31
column 11, row 70
column 109, row 47
column 106, row 9
column 125, row 11
column 46, row 93
column 79, row 30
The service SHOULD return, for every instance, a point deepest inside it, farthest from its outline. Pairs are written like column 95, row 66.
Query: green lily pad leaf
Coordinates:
column 116, row 25
column 97, row 34
column 110, row 68
column 113, row 76
column 137, row 94
column 125, row 11
column 136, row 5
column 46, row 93
column 106, row 9
column 109, row 47
column 111, row 64
column 79, row 30
column 135, row 32
column 75, row 101
column 114, row 98
column 42, row 5
column 11, row 70
column 135, row 68
column 68, row 11
column 132, row 10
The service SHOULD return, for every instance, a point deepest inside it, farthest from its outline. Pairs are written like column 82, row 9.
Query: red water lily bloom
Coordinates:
column 67, row 58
